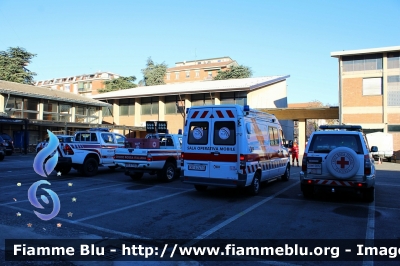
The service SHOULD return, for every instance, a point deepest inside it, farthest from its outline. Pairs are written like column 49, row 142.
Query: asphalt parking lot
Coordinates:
column 110, row 205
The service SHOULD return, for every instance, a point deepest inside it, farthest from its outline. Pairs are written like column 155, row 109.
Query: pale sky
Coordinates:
column 286, row 37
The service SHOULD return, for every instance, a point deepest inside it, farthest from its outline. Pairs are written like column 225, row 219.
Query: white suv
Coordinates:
column 337, row 158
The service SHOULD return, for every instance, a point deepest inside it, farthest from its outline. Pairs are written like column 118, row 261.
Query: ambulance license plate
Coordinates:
column 197, row 167
column 131, row 165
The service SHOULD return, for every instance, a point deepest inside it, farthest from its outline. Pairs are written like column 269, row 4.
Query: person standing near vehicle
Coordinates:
column 295, row 153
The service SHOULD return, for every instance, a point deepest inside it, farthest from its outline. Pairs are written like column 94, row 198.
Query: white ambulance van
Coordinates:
column 232, row 146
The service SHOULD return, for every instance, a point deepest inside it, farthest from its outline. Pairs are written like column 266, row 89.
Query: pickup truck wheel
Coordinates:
column 136, row 176
column 89, row 167
column 64, row 170
column 168, row 172
column 254, row 188
column 200, row 187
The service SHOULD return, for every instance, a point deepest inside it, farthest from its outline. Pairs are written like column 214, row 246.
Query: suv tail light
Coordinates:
column 68, row 150
column 182, row 158
column 367, row 165
column 304, row 163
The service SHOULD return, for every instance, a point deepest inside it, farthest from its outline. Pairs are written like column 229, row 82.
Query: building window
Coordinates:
column 393, row 90
column 149, row 106
column 197, row 73
column 239, row 97
column 202, row 99
column 394, row 128
column 30, row 108
column 65, row 112
column 127, row 107
column 372, row 86
column 209, row 74
column 50, row 110
column 106, row 110
column 176, row 75
column 86, row 114
column 393, row 60
column 168, row 76
column 67, row 87
column 362, row 62
column 174, row 105
column 187, row 74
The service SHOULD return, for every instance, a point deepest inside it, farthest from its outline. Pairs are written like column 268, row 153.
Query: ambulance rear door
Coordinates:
column 224, row 158
column 197, row 147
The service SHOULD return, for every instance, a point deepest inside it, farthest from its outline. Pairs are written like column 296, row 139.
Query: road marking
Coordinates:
column 102, row 229
column 235, row 217
column 131, row 206
column 370, row 233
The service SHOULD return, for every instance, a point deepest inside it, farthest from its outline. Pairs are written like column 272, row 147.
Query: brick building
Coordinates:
column 133, row 107
column 82, row 84
column 197, row 70
column 369, row 90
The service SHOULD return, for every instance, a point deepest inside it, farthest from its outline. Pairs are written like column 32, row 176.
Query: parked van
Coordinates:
column 232, row 146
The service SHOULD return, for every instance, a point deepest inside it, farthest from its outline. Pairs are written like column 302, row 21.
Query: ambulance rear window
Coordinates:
column 224, row 133
column 198, row 133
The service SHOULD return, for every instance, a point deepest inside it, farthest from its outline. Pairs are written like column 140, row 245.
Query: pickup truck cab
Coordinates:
column 91, row 149
column 160, row 155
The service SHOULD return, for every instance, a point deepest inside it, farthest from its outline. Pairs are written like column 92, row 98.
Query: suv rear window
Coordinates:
column 325, row 143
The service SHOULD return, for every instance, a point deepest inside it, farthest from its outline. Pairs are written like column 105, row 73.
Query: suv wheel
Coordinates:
column 369, row 194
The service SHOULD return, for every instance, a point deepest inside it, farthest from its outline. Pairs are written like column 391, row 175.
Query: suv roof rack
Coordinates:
column 341, row 127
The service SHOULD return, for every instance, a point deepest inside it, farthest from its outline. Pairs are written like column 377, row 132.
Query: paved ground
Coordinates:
column 112, row 206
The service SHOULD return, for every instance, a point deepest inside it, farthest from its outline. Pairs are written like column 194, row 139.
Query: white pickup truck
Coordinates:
column 90, row 150
column 162, row 158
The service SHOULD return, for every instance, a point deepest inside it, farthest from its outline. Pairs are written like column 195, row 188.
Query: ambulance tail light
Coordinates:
column 242, row 165
column 304, row 163
column 367, row 165
column 182, row 158
column 68, row 150
column 149, row 158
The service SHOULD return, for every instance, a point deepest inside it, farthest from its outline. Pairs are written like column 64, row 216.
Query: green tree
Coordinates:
column 154, row 73
column 13, row 64
column 121, row 83
column 234, row 72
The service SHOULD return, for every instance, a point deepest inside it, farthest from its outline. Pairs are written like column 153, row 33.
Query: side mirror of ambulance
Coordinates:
column 374, row 149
